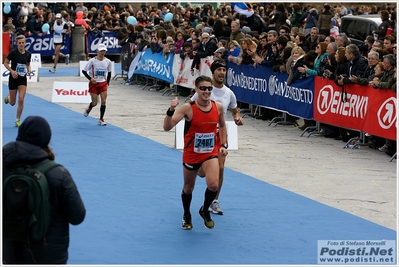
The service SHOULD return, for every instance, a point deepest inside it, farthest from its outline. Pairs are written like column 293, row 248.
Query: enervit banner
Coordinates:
column 261, row 86
column 370, row 110
column 108, row 38
column 44, row 45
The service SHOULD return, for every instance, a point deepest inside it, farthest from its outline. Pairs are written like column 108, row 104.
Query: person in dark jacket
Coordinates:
column 311, row 17
column 31, row 147
column 382, row 29
column 357, row 64
column 324, row 21
column 34, row 25
column 206, row 48
column 369, row 73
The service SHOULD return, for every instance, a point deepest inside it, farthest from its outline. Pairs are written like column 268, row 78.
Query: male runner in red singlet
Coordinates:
column 202, row 117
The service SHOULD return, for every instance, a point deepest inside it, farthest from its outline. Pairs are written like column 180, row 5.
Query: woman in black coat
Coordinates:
column 31, row 148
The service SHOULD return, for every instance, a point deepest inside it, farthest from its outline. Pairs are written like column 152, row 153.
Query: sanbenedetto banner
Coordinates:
column 362, row 108
column 261, row 86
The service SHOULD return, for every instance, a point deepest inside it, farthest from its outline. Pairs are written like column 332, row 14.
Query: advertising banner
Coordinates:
column 71, row 92
column 360, row 107
column 155, row 65
column 261, row 86
column 108, row 38
column 44, row 45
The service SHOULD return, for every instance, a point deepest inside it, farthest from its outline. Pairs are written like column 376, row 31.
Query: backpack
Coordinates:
column 26, row 202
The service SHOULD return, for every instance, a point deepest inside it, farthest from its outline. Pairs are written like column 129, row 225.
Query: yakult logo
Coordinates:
column 329, row 100
column 387, row 113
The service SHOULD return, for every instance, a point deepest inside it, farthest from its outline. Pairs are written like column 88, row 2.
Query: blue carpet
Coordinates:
column 131, row 188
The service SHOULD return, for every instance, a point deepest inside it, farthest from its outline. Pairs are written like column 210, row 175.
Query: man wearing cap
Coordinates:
column 224, row 95
column 32, row 148
column 98, row 72
column 60, row 29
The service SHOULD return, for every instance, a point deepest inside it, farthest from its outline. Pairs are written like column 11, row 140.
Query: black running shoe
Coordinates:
column 187, row 224
column 208, row 222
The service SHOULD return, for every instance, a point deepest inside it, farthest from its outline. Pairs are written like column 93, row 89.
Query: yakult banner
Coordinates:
column 71, row 92
column 182, row 71
column 44, row 45
column 261, row 86
column 155, row 65
column 109, row 39
column 366, row 109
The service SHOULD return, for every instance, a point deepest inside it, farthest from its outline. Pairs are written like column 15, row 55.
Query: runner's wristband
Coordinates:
column 170, row 113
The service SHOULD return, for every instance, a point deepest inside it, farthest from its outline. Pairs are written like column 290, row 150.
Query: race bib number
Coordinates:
column 100, row 73
column 204, row 142
column 57, row 33
column 21, row 69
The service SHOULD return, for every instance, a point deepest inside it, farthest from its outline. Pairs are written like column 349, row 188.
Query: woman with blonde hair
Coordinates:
column 248, row 46
column 296, row 60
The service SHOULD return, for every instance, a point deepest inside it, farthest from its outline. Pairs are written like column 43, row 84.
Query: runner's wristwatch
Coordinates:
column 225, row 145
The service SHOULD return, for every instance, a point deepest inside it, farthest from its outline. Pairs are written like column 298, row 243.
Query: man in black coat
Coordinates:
column 357, row 64
column 206, row 48
column 31, row 148
column 34, row 25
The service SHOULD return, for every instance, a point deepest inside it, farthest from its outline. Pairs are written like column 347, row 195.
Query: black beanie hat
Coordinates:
column 35, row 130
column 217, row 64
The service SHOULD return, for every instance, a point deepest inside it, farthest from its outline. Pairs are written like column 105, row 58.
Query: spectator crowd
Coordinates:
column 302, row 39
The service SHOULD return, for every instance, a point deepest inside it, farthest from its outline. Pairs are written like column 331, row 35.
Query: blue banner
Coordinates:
column 108, row 38
column 44, row 45
column 156, row 65
column 261, row 86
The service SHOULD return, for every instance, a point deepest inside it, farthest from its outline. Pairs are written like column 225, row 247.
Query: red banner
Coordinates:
column 6, row 45
column 361, row 108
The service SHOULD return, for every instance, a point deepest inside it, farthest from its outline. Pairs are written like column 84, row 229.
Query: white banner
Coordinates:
column 34, row 75
column 182, row 71
column 36, row 60
column 71, row 92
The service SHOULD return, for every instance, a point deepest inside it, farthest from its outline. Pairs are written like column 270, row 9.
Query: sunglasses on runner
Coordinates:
column 203, row 88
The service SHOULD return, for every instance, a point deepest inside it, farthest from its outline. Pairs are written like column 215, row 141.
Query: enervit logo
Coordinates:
column 230, row 77
column 387, row 113
column 272, row 84
column 324, row 99
column 328, row 100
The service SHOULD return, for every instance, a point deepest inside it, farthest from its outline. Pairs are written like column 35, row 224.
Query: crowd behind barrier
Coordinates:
column 305, row 25
column 363, row 109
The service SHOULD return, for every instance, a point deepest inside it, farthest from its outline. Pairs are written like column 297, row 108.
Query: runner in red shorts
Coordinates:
column 98, row 72
column 202, row 118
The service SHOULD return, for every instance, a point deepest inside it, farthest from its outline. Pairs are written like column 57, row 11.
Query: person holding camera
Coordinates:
column 357, row 64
